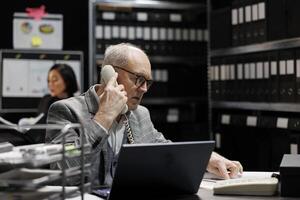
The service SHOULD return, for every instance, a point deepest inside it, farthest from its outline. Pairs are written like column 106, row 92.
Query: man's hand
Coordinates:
column 223, row 167
column 112, row 100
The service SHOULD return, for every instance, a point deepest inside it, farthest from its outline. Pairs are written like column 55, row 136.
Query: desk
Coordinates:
column 203, row 194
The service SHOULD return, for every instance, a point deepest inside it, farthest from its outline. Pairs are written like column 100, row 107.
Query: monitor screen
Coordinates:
column 24, row 76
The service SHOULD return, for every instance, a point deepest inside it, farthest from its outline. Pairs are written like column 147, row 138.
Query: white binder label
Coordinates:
column 199, row 35
column 273, row 68
column 261, row 10
column 115, row 32
column 241, row 15
column 192, row 34
column 175, row 17
column 282, row 67
column 223, row 72
column 108, row 15
column 254, row 12
column 232, row 72
column 212, row 73
column 170, row 34
column 298, row 68
column 131, row 33
column 251, row 121
column 248, row 13
column 282, row 122
column 246, row 71
column 252, row 71
column 290, row 67
column 154, row 33
column 123, row 32
column 218, row 140
column 173, row 115
column 139, row 32
column 266, row 70
column 240, row 71
column 185, row 34
column 234, row 17
column 217, row 77
column 259, row 70
column 164, row 75
column 146, row 33
column 178, row 34
column 225, row 119
column 162, row 33
column 294, row 148
column 227, row 72
column 99, row 32
column 141, row 16
column 107, row 32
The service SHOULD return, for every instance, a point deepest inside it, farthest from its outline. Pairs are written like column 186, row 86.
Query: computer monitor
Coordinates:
column 23, row 76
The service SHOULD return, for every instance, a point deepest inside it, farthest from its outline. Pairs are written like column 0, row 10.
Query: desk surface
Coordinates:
column 204, row 194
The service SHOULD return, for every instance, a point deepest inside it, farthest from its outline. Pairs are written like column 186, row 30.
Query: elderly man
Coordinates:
column 106, row 128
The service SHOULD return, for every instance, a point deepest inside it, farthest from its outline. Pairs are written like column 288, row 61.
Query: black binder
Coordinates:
column 293, row 16
column 220, row 23
column 273, row 60
column 276, row 19
column 236, row 40
column 287, row 82
column 297, row 79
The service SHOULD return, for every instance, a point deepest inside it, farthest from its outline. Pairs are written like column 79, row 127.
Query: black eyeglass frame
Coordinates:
column 139, row 80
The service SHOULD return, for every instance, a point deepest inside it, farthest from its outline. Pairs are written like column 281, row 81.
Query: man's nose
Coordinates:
column 143, row 87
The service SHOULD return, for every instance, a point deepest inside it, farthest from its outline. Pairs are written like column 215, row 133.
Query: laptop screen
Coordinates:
column 161, row 168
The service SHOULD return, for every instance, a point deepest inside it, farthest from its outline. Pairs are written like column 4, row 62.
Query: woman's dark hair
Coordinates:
column 69, row 77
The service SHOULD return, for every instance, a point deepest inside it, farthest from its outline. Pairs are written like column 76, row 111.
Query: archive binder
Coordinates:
column 276, row 19
column 293, row 16
column 235, row 23
column 297, row 78
column 273, row 60
column 287, row 76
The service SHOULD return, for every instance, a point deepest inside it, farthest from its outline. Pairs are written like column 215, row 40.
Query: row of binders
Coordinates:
column 180, row 49
column 262, row 77
column 263, row 122
column 150, row 16
column 158, row 32
column 148, row 33
column 253, row 21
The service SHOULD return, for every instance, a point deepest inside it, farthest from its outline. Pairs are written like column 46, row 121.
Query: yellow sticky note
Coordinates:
column 36, row 41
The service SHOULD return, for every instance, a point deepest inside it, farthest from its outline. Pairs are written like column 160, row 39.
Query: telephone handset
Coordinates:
column 107, row 72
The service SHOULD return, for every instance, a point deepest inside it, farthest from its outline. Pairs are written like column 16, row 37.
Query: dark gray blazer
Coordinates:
column 85, row 106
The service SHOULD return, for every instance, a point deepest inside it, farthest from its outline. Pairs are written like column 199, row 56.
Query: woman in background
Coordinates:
column 62, row 84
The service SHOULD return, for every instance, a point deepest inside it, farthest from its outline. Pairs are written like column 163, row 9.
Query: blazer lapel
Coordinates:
column 92, row 99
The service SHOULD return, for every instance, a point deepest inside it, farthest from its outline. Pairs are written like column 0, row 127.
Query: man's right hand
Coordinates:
column 112, row 100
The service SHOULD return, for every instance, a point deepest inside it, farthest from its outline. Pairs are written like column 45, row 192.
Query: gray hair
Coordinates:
column 117, row 55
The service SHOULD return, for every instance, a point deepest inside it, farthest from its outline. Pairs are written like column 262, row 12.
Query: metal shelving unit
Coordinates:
column 171, row 58
column 172, row 101
column 280, row 107
column 25, row 162
column 261, row 47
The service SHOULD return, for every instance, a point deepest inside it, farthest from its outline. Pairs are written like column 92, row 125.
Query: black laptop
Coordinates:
column 160, row 169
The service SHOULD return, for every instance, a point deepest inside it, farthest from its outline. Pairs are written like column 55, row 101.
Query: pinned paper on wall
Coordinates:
column 36, row 41
column 36, row 13
column 37, row 30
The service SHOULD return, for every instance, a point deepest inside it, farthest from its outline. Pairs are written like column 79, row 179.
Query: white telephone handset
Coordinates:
column 107, row 72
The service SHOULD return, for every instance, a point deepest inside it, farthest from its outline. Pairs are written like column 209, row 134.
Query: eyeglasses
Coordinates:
column 139, row 80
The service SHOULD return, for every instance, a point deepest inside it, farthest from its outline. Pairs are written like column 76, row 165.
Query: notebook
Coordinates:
column 160, row 169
